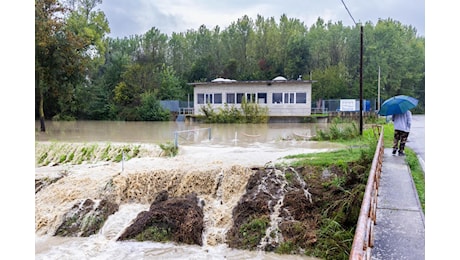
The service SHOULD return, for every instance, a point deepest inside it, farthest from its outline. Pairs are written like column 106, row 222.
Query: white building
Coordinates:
column 284, row 98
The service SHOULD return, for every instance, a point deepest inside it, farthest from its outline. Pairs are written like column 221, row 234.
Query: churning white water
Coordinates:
column 216, row 172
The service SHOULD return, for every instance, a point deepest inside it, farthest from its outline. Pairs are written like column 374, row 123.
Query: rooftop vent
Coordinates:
column 222, row 80
column 280, row 78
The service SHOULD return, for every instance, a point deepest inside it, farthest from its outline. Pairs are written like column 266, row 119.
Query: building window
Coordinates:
column 262, row 98
column 250, row 97
column 208, row 98
column 288, row 98
column 217, row 98
column 200, row 98
column 239, row 98
column 301, row 98
column 231, row 98
column 277, row 98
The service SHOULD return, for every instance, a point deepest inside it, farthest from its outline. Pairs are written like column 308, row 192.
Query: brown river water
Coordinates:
column 160, row 132
column 209, row 153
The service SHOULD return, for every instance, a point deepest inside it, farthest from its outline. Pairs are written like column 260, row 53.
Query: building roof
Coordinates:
column 277, row 80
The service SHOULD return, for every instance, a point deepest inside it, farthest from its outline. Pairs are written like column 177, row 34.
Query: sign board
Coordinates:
column 348, row 105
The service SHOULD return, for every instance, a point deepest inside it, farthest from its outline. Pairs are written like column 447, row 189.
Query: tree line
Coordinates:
column 81, row 73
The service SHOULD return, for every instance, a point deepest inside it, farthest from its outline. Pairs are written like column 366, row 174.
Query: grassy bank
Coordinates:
column 346, row 134
column 360, row 151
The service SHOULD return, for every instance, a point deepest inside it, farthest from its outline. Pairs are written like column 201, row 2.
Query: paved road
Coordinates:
column 416, row 140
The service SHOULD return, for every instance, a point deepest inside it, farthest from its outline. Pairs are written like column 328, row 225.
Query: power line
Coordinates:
column 349, row 12
column 360, row 73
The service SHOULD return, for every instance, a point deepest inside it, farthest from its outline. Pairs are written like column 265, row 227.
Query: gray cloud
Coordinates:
column 136, row 17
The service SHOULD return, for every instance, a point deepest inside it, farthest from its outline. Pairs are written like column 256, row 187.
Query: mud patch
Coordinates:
column 169, row 219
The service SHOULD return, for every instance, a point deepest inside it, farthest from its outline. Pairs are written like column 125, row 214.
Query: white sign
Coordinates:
column 347, row 105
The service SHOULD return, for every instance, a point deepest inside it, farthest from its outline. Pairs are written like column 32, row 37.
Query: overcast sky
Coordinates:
column 132, row 17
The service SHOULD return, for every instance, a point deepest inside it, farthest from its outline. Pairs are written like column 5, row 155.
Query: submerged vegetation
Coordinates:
column 169, row 149
column 62, row 153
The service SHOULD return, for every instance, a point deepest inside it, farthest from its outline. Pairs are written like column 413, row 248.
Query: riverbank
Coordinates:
column 219, row 176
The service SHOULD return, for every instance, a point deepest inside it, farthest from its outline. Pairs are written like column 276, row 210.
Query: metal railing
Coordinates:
column 319, row 111
column 176, row 134
column 186, row 111
column 364, row 235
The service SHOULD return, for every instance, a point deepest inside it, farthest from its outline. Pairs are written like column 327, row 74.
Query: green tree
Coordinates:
column 58, row 54
column 91, row 26
column 153, row 48
column 400, row 54
column 98, row 97
column 127, row 93
column 332, row 83
column 319, row 47
column 297, row 56
column 264, row 47
column 150, row 108
column 82, row 74
column 235, row 39
column 66, row 42
column 176, row 54
column 170, row 85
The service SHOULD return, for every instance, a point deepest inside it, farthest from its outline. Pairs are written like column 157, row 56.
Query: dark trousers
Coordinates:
column 401, row 138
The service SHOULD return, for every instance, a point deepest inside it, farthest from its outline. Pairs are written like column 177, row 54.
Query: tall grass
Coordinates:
column 338, row 131
column 336, row 233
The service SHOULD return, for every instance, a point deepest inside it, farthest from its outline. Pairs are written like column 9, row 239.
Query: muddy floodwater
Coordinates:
column 214, row 162
column 187, row 133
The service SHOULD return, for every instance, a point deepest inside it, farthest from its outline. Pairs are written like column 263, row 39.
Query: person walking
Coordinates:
column 402, row 123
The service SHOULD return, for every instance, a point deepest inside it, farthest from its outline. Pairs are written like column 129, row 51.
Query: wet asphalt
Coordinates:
column 399, row 232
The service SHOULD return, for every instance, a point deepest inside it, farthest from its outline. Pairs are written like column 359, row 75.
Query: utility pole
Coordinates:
column 361, row 86
column 360, row 74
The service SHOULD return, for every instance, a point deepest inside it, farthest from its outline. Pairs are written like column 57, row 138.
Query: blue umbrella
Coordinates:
column 397, row 105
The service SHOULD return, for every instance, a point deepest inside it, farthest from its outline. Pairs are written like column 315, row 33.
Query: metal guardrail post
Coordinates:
column 175, row 139
column 122, row 160
column 176, row 134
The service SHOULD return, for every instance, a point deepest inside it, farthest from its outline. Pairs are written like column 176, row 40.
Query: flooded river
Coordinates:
column 187, row 133
column 210, row 154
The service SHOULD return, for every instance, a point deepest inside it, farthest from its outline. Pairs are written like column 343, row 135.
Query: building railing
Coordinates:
column 186, row 111
column 319, row 110
column 364, row 235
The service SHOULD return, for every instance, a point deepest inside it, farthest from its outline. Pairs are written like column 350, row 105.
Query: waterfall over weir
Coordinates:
column 221, row 186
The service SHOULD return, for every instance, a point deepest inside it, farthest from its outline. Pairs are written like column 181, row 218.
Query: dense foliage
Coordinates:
column 249, row 113
column 83, row 74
